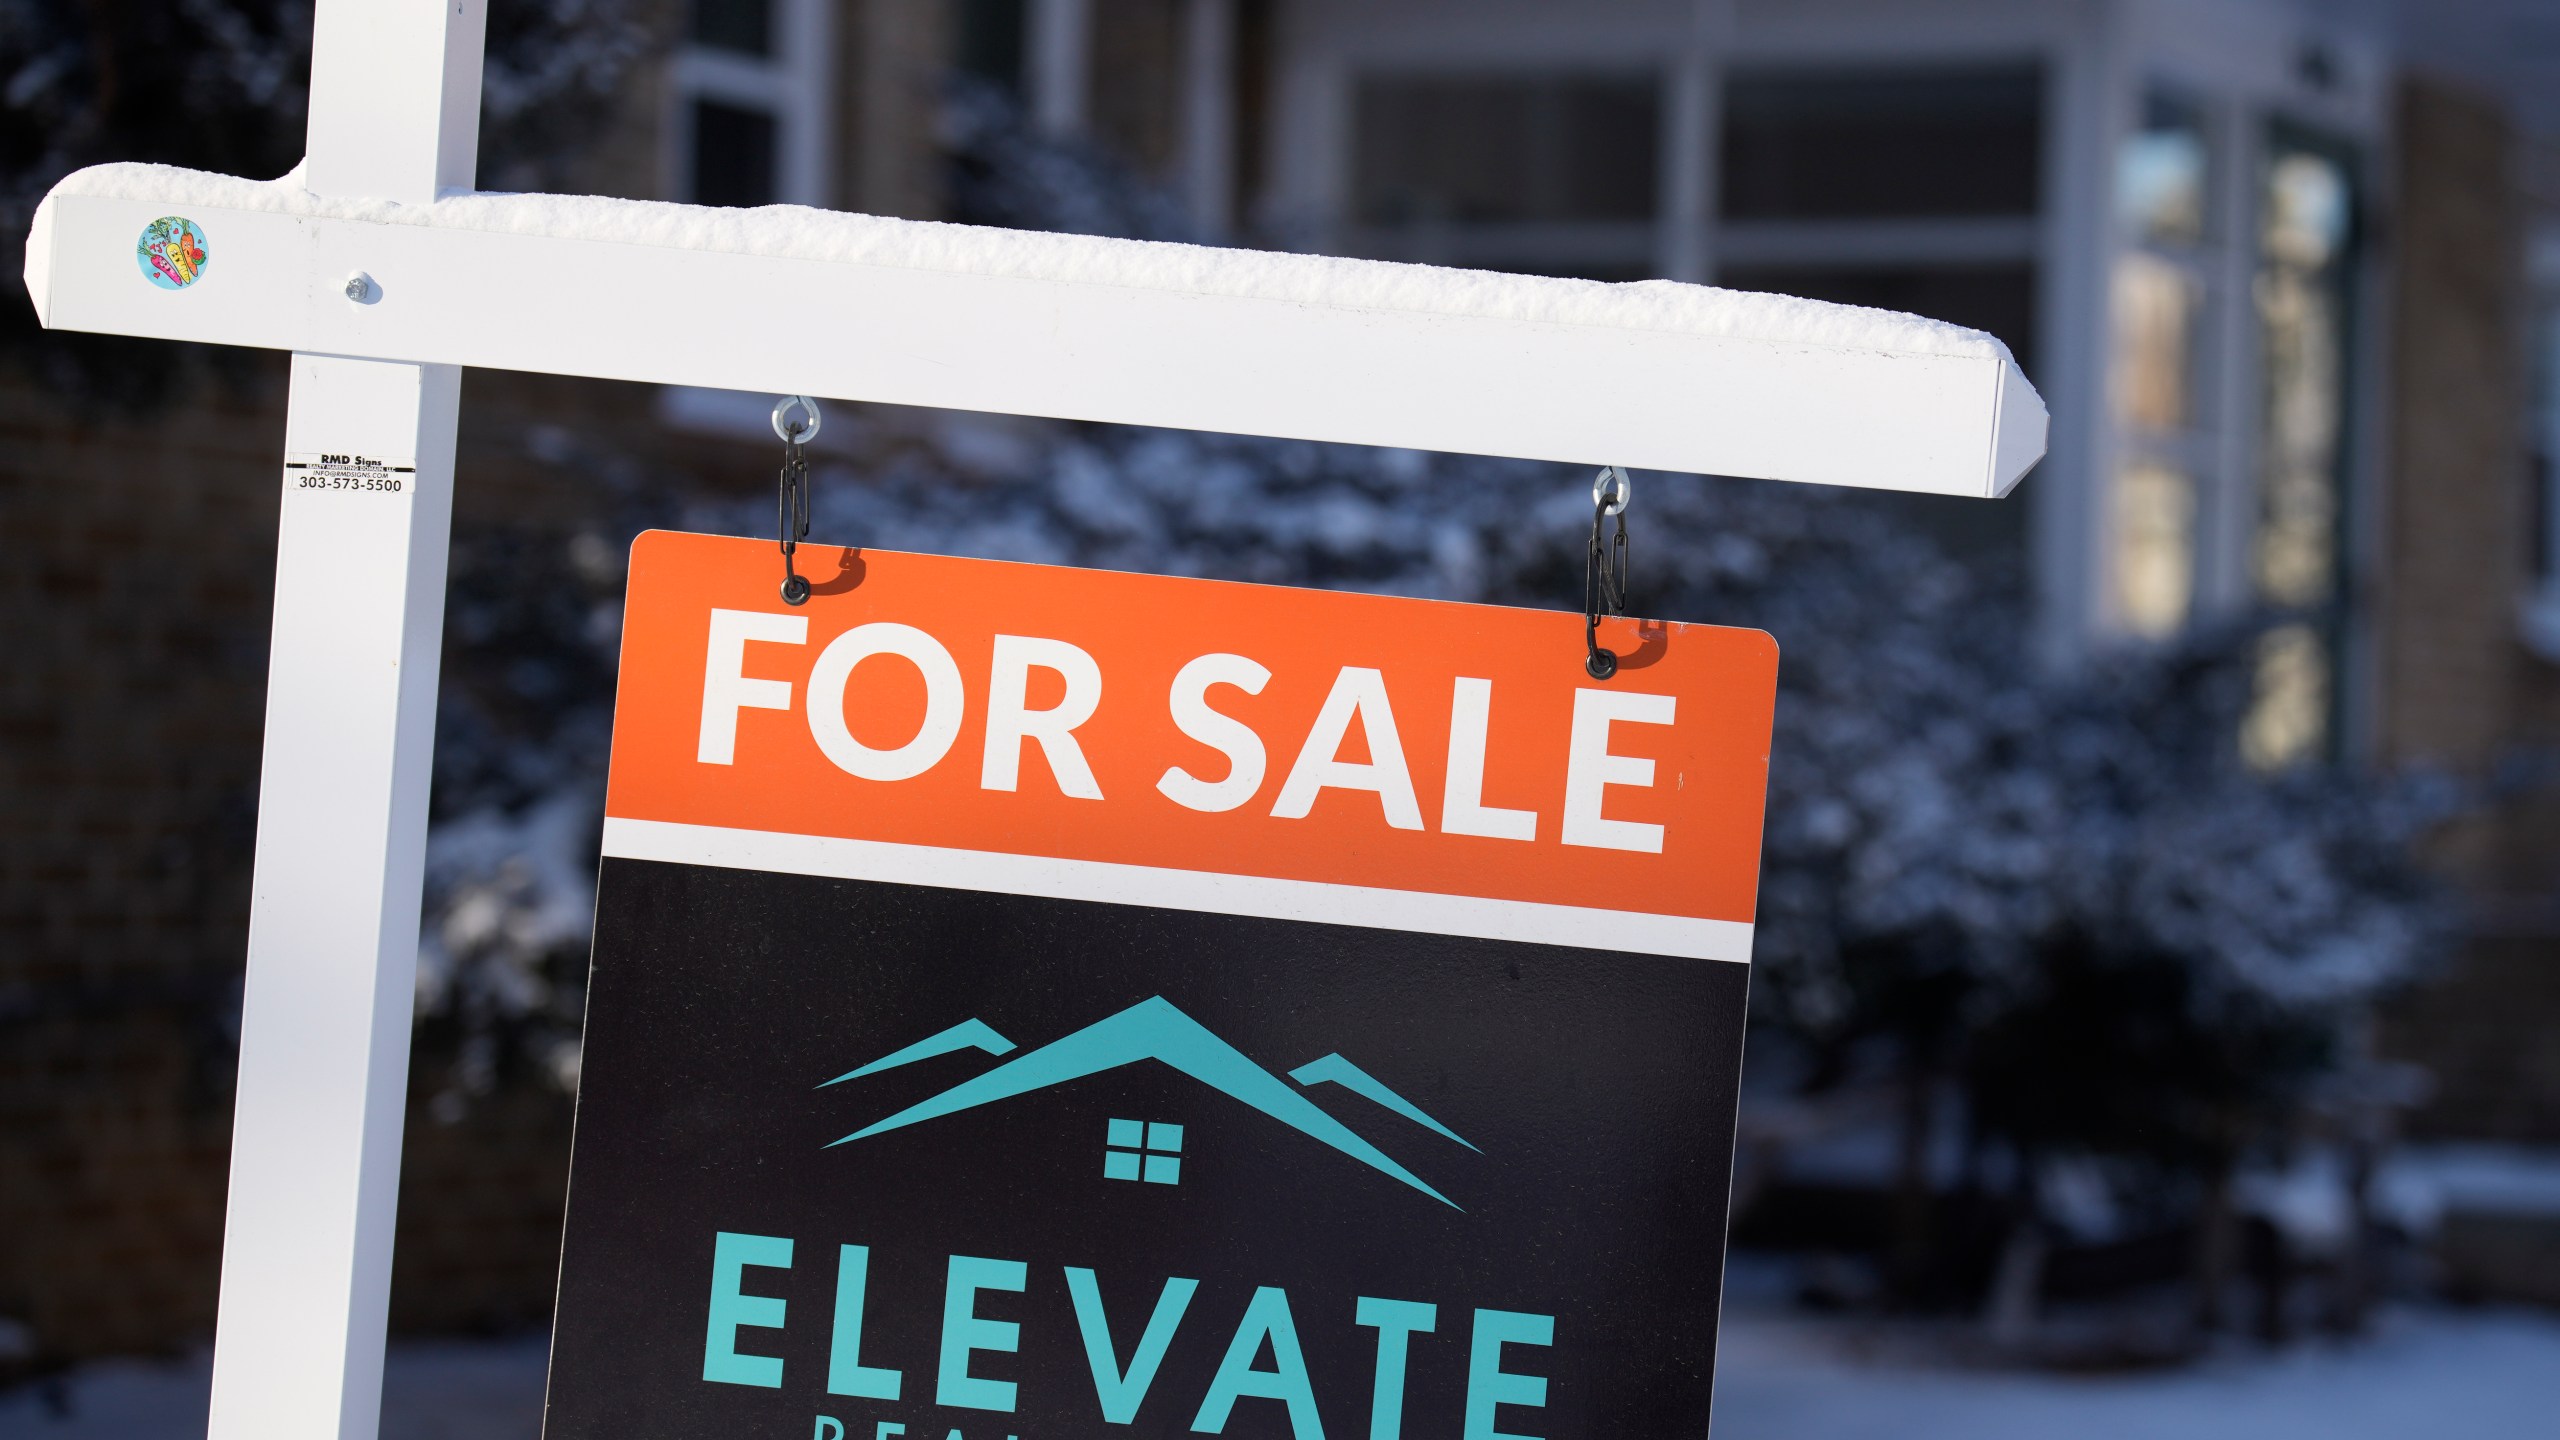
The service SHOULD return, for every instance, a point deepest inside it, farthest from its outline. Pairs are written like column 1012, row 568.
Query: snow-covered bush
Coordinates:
column 522, row 728
column 502, row 959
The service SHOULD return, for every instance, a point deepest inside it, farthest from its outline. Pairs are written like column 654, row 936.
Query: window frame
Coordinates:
column 2538, row 608
column 794, row 85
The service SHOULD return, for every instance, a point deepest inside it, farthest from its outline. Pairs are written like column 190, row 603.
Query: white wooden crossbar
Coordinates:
column 1660, row 376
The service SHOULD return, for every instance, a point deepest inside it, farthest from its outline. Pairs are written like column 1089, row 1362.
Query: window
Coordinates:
column 2157, row 308
column 2159, row 304
column 1484, row 151
column 749, row 93
column 1901, row 188
column 2288, row 719
column 990, row 44
column 1554, row 174
column 733, row 155
column 2304, row 288
column 1881, row 144
column 1148, row 1152
column 2152, row 535
column 2164, row 175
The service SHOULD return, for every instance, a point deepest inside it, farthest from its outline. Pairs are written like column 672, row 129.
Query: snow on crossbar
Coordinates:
column 791, row 300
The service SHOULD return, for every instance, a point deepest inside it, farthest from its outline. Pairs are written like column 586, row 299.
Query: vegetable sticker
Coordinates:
column 171, row 252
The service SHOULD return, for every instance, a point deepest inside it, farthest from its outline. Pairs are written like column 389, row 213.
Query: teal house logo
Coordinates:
column 1152, row 1030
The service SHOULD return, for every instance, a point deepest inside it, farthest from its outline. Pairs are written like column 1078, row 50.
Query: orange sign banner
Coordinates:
column 1193, row 726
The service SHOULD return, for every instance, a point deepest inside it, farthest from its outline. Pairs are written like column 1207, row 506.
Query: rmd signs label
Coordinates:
column 1054, row 1003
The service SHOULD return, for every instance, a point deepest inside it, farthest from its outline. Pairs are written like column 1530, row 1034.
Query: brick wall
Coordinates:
column 137, row 556
column 2458, row 687
column 2490, row 1034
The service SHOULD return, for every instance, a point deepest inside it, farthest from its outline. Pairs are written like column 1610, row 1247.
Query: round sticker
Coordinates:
column 171, row 252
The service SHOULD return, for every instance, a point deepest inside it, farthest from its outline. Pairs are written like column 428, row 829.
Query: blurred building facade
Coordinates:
column 2285, row 271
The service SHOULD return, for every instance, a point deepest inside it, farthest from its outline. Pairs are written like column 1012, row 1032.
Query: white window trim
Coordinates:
column 1208, row 97
column 2538, row 609
column 794, row 85
column 1983, row 240
column 1057, row 64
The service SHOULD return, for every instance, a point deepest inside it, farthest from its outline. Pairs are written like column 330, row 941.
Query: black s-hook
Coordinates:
column 792, row 524
column 1604, row 573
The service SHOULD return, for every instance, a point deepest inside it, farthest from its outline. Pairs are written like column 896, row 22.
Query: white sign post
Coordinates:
column 342, row 788
column 382, row 290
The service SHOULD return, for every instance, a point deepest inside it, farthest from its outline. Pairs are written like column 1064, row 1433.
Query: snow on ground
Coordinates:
column 1781, row 1377
column 2418, row 1184
column 2421, row 1373
column 431, row 1390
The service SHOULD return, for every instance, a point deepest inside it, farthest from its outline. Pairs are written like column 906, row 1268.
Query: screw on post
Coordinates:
column 793, row 501
column 1604, row 573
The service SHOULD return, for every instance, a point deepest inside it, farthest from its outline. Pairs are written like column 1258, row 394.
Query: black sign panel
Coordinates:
column 1109, row 1210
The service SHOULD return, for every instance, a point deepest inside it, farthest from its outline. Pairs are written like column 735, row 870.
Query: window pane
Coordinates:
column 2305, row 282
column 733, row 155
column 2307, row 209
column 745, row 26
column 1489, row 149
column 991, row 41
column 2152, row 540
column 2163, row 178
column 2156, row 307
column 1834, row 146
column 2302, row 292
column 2288, row 718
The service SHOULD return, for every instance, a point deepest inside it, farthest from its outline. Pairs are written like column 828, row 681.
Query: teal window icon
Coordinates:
column 1145, row 1152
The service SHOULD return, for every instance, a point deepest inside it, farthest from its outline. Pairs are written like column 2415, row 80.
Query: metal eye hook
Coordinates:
column 1611, row 489
column 1604, row 574
column 791, row 434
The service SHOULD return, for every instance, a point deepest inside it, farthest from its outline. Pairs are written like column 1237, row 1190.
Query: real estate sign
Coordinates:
column 1038, row 1002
